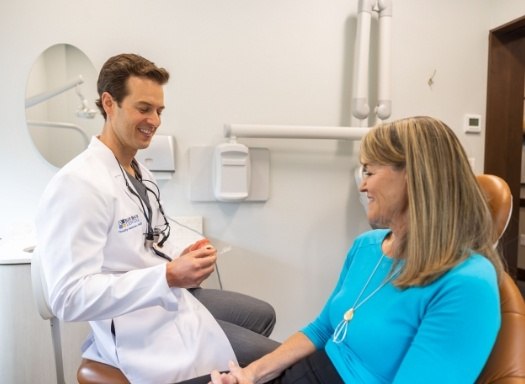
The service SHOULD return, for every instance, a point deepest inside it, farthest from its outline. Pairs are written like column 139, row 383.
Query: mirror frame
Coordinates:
column 61, row 115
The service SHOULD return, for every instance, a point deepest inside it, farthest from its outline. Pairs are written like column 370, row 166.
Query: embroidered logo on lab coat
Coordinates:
column 129, row 223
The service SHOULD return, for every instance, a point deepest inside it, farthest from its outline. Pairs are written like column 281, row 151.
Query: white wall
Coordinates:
column 504, row 11
column 257, row 61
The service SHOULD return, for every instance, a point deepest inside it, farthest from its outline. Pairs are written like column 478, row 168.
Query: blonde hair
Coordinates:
column 448, row 216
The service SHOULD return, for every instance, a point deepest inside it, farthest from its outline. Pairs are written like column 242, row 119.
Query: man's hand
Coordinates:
column 195, row 264
column 197, row 245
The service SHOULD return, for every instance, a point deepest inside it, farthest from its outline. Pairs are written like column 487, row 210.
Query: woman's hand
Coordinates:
column 270, row 366
column 237, row 375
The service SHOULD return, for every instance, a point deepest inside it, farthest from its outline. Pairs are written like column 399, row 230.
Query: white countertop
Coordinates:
column 14, row 251
column 18, row 241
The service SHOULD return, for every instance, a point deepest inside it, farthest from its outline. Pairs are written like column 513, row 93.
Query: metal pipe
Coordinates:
column 294, row 132
column 51, row 124
column 360, row 107
column 41, row 97
column 384, row 102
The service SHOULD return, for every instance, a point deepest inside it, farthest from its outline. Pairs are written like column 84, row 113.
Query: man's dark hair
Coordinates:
column 118, row 69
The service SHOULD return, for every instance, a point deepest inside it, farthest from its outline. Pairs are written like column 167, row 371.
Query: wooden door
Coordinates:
column 504, row 121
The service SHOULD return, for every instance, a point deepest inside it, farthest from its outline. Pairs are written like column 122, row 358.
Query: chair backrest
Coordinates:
column 499, row 198
column 44, row 309
column 40, row 288
column 89, row 372
column 506, row 363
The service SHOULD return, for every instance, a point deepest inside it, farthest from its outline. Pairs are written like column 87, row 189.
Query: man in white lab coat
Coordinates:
column 103, row 240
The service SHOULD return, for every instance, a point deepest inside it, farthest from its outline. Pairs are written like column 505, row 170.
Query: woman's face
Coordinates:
column 386, row 190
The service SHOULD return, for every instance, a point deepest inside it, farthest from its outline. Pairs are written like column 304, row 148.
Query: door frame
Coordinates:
column 504, row 122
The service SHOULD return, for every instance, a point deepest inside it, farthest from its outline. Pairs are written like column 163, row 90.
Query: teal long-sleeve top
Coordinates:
column 439, row 333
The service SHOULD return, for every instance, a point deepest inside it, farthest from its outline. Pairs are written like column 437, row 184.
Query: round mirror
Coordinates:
column 60, row 103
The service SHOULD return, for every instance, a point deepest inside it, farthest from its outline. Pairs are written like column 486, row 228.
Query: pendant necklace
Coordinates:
column 340, row 330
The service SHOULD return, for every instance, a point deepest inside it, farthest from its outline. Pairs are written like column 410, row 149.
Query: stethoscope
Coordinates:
column 154, row 238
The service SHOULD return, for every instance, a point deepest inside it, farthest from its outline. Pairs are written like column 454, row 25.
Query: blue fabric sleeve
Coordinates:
column 458, row 328
column 439, row 333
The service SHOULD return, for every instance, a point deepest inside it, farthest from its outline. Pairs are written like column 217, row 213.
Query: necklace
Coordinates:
column 340, row 330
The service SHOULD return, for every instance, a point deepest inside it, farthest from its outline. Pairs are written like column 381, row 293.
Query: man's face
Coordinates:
column 136, row 120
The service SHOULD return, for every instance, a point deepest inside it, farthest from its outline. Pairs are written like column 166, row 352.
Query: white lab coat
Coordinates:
column 90, row 239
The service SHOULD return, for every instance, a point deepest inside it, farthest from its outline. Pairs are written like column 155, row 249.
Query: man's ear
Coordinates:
column 108, row 103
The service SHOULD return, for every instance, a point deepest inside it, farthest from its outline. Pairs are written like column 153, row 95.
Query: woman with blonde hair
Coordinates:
column 417, row 300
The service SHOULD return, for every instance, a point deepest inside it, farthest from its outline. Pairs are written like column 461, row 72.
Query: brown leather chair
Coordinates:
column 506, row 363
column 94, row 372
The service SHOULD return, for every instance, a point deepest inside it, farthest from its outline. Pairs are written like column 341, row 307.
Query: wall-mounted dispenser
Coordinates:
column 236, row 175
column 159, row 157
column 231, row 172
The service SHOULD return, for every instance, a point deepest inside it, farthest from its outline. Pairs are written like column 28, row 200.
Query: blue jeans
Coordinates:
column 246, row 321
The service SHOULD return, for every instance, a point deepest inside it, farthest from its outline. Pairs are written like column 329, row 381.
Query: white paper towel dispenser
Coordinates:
column 159, row 157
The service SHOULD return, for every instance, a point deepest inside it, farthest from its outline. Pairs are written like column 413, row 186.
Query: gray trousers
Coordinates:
column 246, row 321
column 316, row 368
